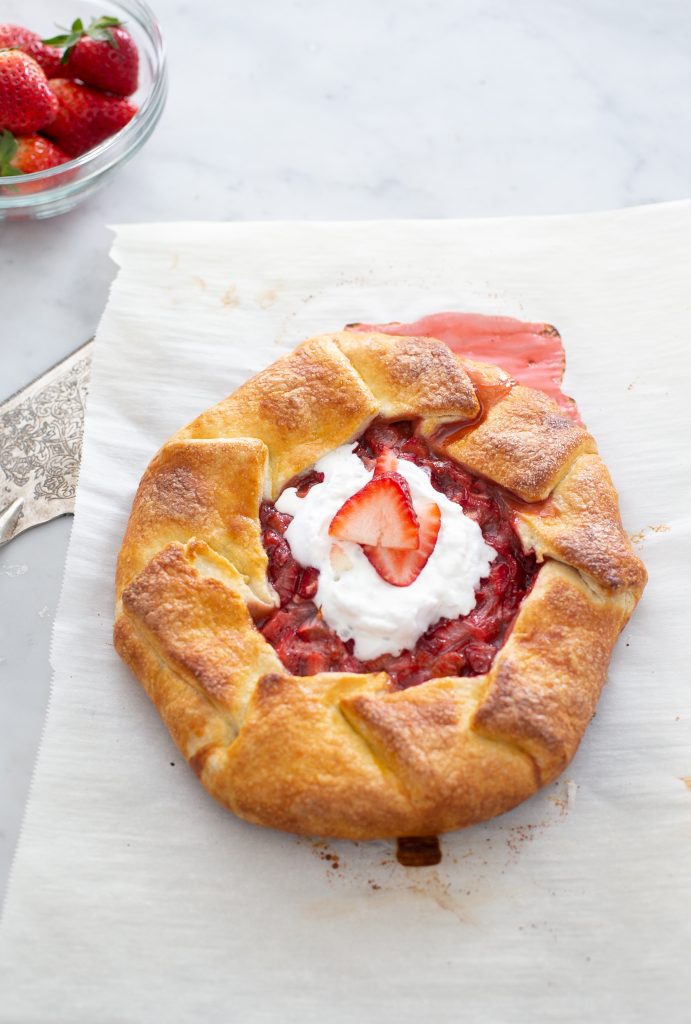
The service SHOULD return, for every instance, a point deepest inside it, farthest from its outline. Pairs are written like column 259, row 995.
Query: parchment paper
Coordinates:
column 135, row 898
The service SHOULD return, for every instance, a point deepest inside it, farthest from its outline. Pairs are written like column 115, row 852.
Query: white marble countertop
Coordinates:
column 399, row 108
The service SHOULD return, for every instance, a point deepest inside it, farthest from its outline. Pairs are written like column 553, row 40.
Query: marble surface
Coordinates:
column 308, row 109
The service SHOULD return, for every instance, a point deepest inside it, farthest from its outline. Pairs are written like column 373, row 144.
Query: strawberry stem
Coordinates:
column 99, row 30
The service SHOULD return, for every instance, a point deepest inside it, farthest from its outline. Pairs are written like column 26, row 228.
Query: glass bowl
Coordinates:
column 59, row 189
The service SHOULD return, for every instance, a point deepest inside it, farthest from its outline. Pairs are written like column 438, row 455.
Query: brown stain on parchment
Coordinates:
column 470, row 879
column 230, row 297
column 686, row 779
column 640, row 537
column 424, row 884
column 267, row 298
column 564, row 797
column 326, row 854
column 418, row 851
column 434, row 888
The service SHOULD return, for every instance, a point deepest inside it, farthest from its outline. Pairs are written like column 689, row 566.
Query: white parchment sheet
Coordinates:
column 135, row 898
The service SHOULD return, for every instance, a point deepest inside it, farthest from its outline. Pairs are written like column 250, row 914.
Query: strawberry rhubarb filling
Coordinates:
column 388, row 557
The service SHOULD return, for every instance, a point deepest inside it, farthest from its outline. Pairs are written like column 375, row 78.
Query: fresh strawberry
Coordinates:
column 85, row 117
column 27, row 154
column 104, row 55
column 401, row 568
column 17, row 38
column 26, row 102
column 386, row 462
column 380, row 513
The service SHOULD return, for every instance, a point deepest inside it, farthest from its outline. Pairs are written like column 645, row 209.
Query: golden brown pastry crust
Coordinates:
column 419, row 377
column 544, row 684
column 580, row 525
column 525, row 443
column 340, row 754
column 301, row 407
column 205, row 488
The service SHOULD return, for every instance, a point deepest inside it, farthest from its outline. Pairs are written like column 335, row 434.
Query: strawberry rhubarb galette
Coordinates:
column 375, row 591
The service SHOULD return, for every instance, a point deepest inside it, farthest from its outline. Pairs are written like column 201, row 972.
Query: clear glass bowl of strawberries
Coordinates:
column 79, row 96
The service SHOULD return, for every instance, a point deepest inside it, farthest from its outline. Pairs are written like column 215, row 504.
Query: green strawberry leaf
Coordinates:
column 8, row 151
column 100, row 30
column 76, row 31
column 67, row 38
column 105, row 22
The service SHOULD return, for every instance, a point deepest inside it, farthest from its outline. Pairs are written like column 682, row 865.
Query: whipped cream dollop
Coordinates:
column 354, row 600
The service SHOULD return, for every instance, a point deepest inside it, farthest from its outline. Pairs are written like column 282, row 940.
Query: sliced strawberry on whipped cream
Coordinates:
column 380, row 514
column 386, row 462
column 399, row 567
column 396, row 538
column 356, row 602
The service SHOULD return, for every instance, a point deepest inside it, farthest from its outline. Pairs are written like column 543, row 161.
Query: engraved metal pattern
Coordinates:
column 41, row 445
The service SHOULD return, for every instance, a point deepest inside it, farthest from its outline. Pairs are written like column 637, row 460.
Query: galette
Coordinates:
column 375, row 591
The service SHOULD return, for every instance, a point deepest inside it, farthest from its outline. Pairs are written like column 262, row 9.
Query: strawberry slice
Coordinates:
column 400, row 567
column 380, row 514
column 386, row 462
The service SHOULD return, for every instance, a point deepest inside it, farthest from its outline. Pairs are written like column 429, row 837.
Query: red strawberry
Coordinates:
column 26, row 102
column 401, row 568
column 28, row 154
column 104, row 55
column 18, row 38
column 380, row 513
column 85, row 117
column 386, row 462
